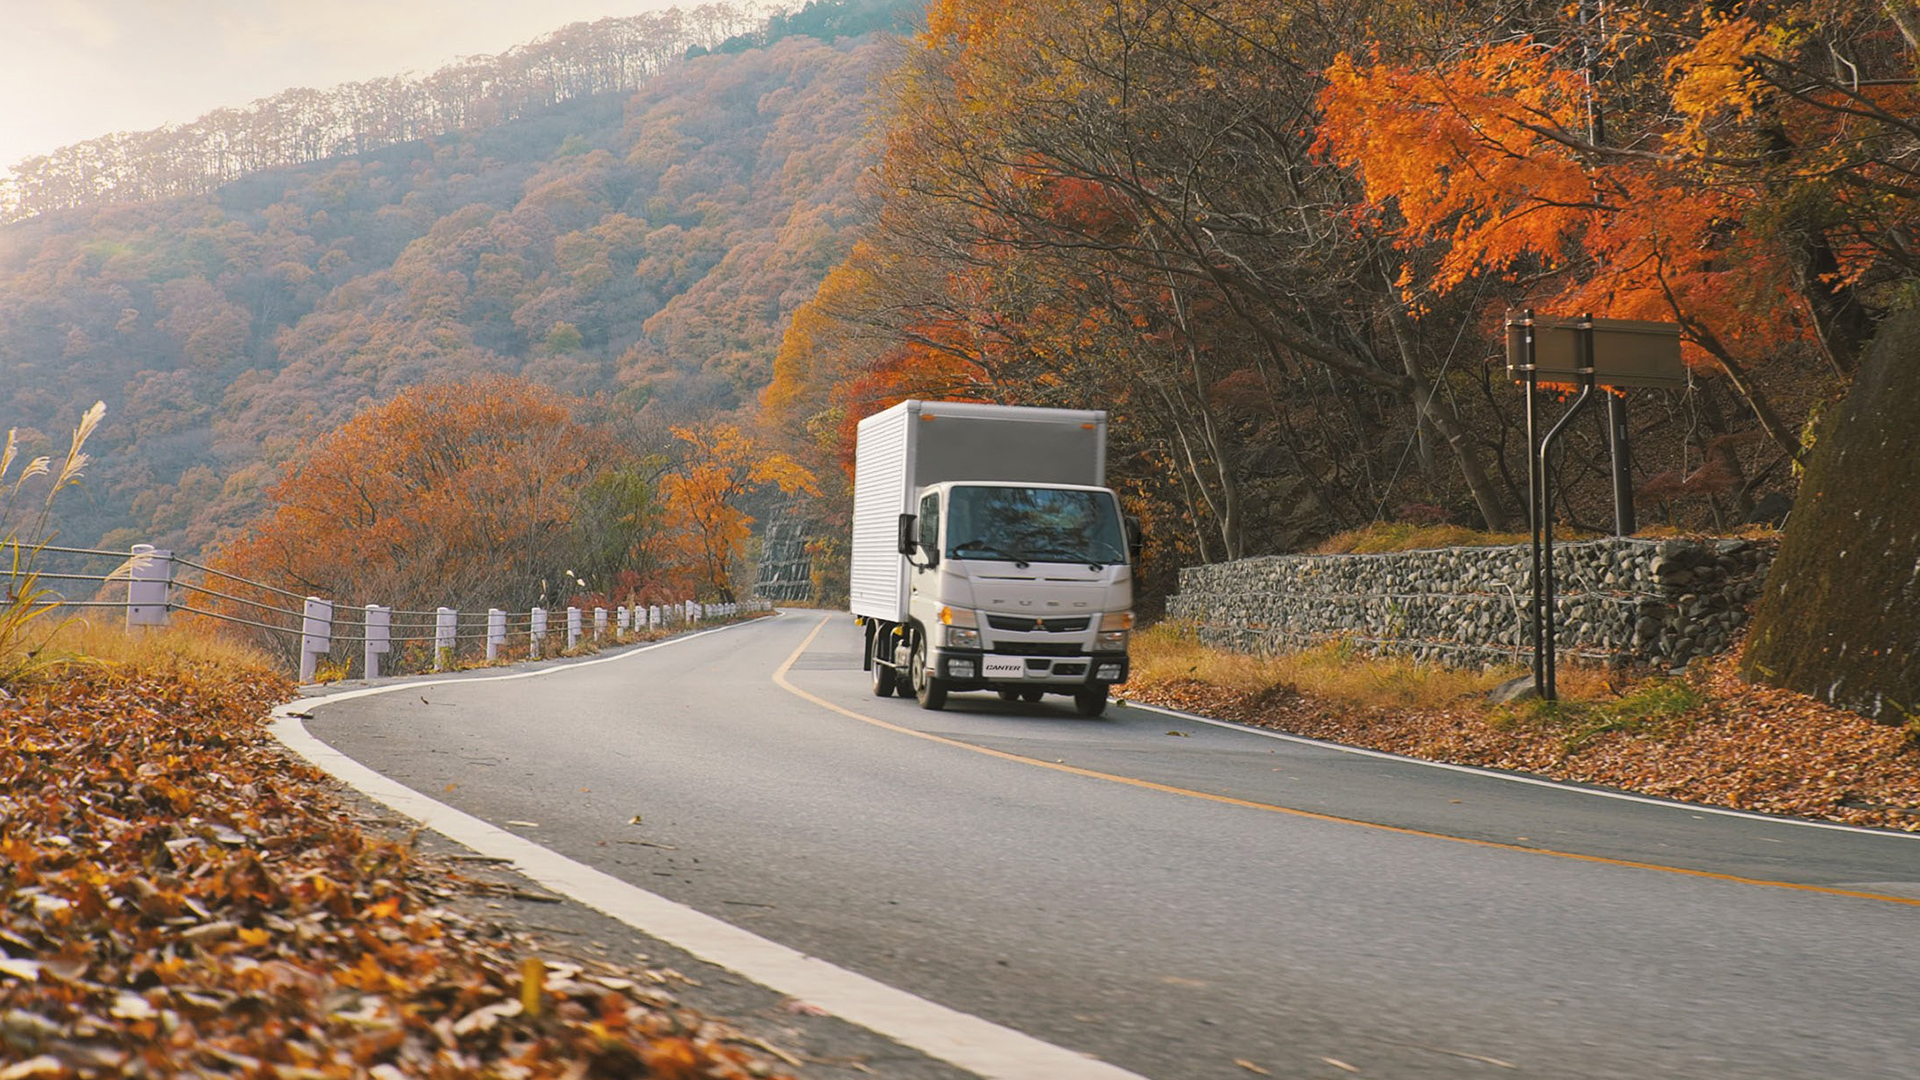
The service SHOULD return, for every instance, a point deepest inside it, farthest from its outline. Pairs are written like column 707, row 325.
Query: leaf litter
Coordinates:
column 1744, row 745
column 179, row 898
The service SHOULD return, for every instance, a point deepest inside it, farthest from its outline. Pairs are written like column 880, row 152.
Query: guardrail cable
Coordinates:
column 236, row 599
column 189, row 609
column 86, row 551
column 238, row 578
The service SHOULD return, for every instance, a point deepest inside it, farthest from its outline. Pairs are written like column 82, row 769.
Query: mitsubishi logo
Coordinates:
column 1039, row 624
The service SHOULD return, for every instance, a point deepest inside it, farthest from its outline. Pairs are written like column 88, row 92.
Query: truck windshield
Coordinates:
column 1034, row 525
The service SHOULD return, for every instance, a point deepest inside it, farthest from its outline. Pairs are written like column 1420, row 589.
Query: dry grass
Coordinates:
column 1336, row 672
column 103, row 640
column 1387, row 536
column 1383, row 537
column 1738, row 532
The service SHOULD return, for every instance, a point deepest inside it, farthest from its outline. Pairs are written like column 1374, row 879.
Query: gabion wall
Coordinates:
column 1619, row 600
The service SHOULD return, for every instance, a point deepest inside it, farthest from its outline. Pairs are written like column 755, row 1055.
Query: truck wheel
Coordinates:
column 884, row 675
column 931, row 692
column 1091, row 699
column 1032, row 693
column 1008, row 693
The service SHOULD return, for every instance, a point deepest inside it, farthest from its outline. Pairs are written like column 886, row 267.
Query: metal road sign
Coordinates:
column 1626, row 352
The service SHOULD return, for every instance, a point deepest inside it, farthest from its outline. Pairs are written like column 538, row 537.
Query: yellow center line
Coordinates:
column 780, row 679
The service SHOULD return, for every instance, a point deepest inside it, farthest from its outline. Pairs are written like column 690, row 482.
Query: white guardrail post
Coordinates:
column 573, row 627
column 496, row 633
column 379, row 637
column 316, row 635
column 537, row 631
column 446, row 630
column 149, row 575
column 625, row 623
column 599, row 623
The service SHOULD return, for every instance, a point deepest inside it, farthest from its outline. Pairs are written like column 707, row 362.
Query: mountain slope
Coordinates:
column 649, row 247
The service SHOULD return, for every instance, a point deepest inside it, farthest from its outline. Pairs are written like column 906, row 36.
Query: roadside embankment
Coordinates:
column 1707, row 736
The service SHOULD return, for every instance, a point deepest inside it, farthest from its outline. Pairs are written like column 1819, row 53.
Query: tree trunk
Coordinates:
column 1440, row 414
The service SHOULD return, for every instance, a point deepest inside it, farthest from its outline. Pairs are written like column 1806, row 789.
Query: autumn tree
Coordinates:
column 705, row 525
column 1754, row 184
column 464, row 494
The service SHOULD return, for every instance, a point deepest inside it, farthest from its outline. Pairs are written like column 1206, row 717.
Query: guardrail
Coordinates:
column 159, row 584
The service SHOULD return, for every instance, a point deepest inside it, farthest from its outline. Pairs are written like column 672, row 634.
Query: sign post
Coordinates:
column 1617, row 354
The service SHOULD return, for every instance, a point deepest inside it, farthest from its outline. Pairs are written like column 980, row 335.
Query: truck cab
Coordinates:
column 1017, row 588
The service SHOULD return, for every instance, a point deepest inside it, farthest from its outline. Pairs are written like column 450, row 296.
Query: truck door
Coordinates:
column 929, row 533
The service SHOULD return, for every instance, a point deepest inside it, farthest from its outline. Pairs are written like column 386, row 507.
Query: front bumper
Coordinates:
column 979, row 669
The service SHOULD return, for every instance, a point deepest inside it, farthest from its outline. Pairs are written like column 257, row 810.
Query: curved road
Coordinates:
column 1185, row 906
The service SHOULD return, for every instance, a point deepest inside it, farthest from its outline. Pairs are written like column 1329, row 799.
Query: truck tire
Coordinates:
column 884, row 675
column 930, row 691
column 1091, row 699
column 1031, row 693
column 1008, row 693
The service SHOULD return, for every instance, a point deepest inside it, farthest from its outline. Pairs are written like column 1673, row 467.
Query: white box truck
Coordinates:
column 988, row 554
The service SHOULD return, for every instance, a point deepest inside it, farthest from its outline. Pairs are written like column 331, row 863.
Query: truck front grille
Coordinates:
column 1051, row 626
column 1034, row 648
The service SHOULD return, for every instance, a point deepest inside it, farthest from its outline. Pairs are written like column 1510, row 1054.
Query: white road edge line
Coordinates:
column 979, row 1046
column 1535, row 781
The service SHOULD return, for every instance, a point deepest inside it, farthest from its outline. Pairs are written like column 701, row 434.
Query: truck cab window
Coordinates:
column 1048, row 525
column 930, row 526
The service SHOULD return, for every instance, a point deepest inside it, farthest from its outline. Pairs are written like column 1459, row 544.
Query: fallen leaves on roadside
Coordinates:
column 178, row 898
column 1747, row 746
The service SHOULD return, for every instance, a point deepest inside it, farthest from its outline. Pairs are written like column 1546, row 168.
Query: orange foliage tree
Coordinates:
column 459, row 494
column 1756, row 183
column 705, row 527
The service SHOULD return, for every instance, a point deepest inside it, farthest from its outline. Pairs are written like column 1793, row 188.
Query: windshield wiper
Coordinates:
column 991, row 551
column 1072, row 556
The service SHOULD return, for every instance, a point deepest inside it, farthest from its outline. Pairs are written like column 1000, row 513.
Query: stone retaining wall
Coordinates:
column 1619, row 600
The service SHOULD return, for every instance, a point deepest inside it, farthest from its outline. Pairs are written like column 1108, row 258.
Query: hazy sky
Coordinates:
column 74, row 69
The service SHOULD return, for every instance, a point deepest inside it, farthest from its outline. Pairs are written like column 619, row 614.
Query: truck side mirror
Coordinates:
column 1132, row 525
column 907, row 542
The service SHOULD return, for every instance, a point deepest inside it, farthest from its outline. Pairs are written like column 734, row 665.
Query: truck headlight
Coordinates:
column 961, row 624
column 1112, row 640
column 1116, row 620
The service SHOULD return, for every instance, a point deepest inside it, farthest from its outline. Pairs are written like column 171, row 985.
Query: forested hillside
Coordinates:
column 645, row 246
column 1279, row 240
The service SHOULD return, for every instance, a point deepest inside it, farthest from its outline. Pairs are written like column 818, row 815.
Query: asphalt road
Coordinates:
column 1178, row 905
